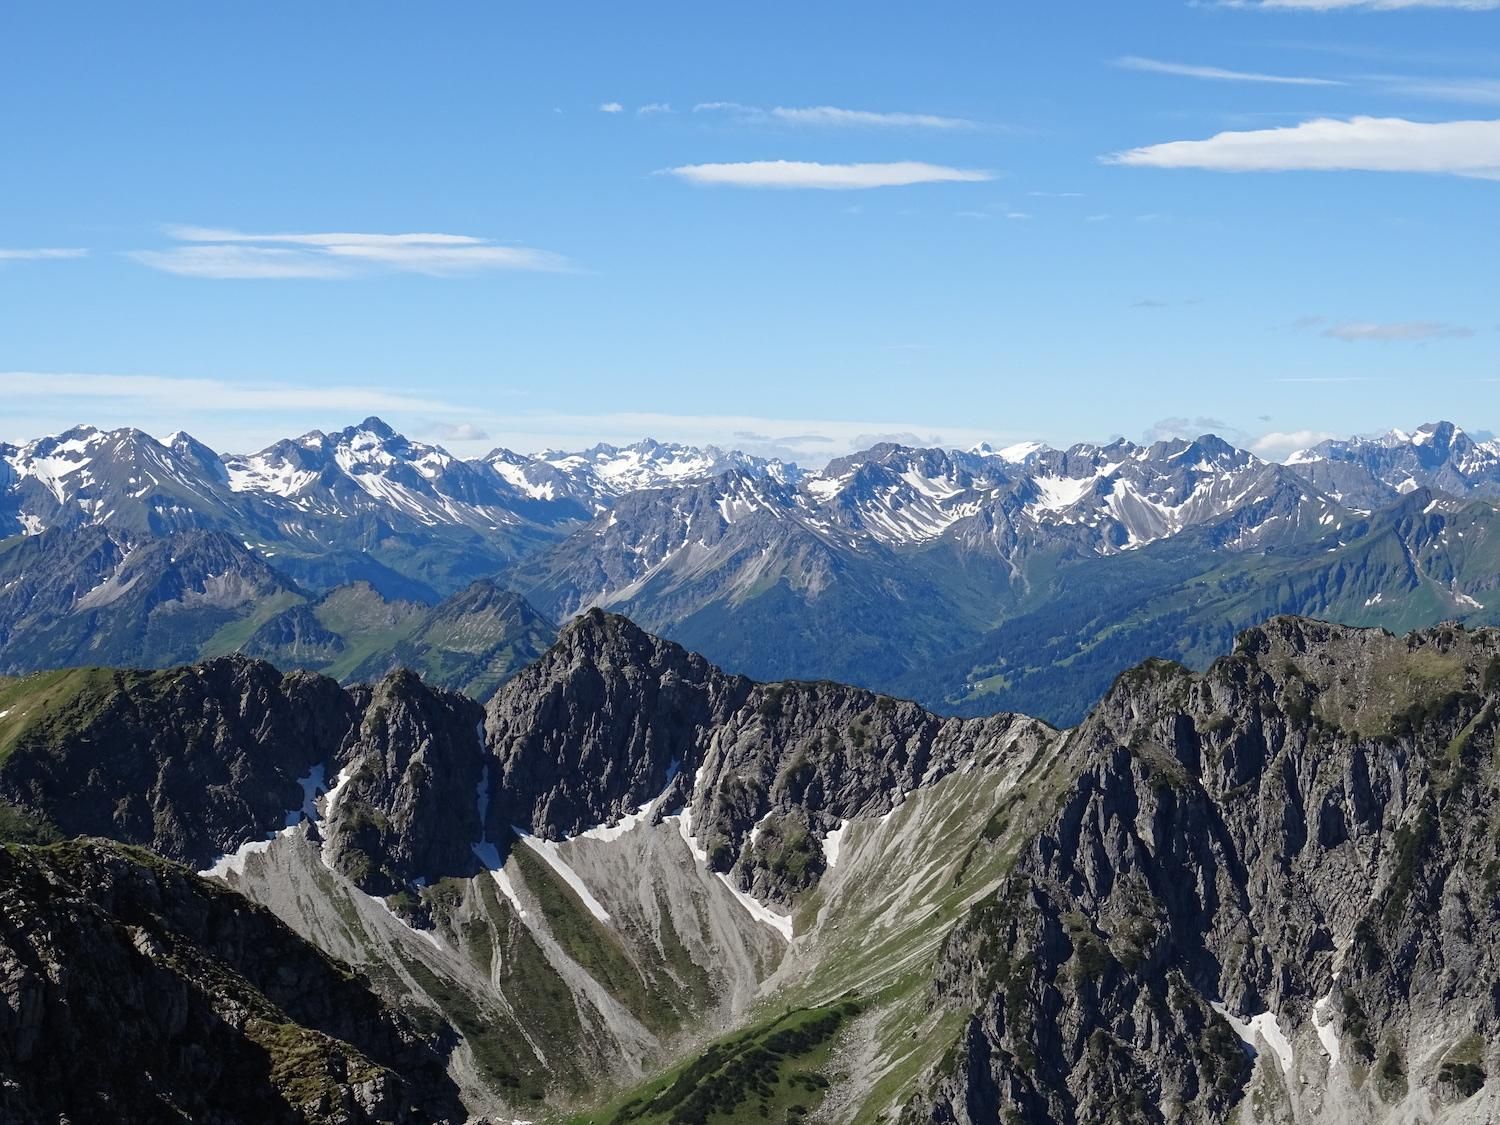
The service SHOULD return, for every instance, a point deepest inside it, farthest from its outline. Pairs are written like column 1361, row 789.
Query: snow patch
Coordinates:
column 642, row 814
column 548, row 852
column 833, row 843
column 234, row 861
column 1466, row 601
column 781, row 923
column 1021, row 450
column 1327, row 1034
column 1261, row 1028
column 331, row 798
column 489, row 855
column 684, row 819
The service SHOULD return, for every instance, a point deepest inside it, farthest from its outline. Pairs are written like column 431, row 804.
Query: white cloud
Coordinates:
column 834, row 177
column 1278, row 446
column 1368, row 144
column 211, row 395
column 1369, row 5
column 245, row 262
column 49, row 254
column 654, row 107
column 611, row 107
column 232, row 415
column 1218, row 74
column 828, row 116
column 1405, row 330
column 458, row 431
column 219, row 253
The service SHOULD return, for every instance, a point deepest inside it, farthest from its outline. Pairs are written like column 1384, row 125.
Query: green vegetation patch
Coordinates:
column 306, row 1065
column 595, row 947
column 769, row 1073
column 67, row 700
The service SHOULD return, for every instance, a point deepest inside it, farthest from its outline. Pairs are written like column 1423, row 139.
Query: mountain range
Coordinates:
column 967, row 580
column 633, row 887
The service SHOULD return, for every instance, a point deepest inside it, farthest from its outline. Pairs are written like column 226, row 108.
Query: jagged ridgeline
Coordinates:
column 633, row 888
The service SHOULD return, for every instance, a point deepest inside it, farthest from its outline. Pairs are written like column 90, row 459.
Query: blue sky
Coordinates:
column 790, row 227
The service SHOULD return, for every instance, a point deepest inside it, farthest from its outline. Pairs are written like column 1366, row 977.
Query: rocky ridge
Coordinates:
column 1266, row 890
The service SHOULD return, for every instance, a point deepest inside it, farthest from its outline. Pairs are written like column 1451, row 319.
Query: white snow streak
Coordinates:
column 781, row 923
column 1328, row 1034
column 1263, row 1027
column 547, row 851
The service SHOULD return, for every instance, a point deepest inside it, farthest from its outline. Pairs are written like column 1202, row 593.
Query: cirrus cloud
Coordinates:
column 1217, row 74
column 42, row 254
column 1356, row 331
column 827, row 177
column 1362, row 144
column 828, row 116
column 210, row 252
column 1368, row 5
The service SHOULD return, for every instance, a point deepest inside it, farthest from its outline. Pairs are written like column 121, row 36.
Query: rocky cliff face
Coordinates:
column 614, row 719
column 1267, row 892
column 132, row 991
column 406, row 807
column 1271, row 887
column 190, row 763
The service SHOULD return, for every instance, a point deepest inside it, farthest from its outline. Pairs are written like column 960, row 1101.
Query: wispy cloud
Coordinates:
column 230, row 414
column 1355, row 331
column 1368, row 5
column 1369, row 144
column 611, row 107
column 1217, row 74
column 212, row 395
column 1186, row 429
column 44, row 254
column 209, row 252
column 654, row 107
column 828, row 177
column 828, row 116
column 1480, row 91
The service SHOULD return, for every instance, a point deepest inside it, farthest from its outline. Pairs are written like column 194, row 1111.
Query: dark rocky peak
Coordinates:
column 880, row 453
column 191, row 451
column 1437, row 441
column 406, row 806
column 191, row 762
column 598, row 725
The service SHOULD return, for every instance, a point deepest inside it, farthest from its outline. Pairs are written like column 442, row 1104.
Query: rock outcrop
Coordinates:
column 1294, row 857
column 131, row 990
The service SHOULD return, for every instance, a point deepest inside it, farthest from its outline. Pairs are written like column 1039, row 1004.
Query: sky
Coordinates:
column 793, row 228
